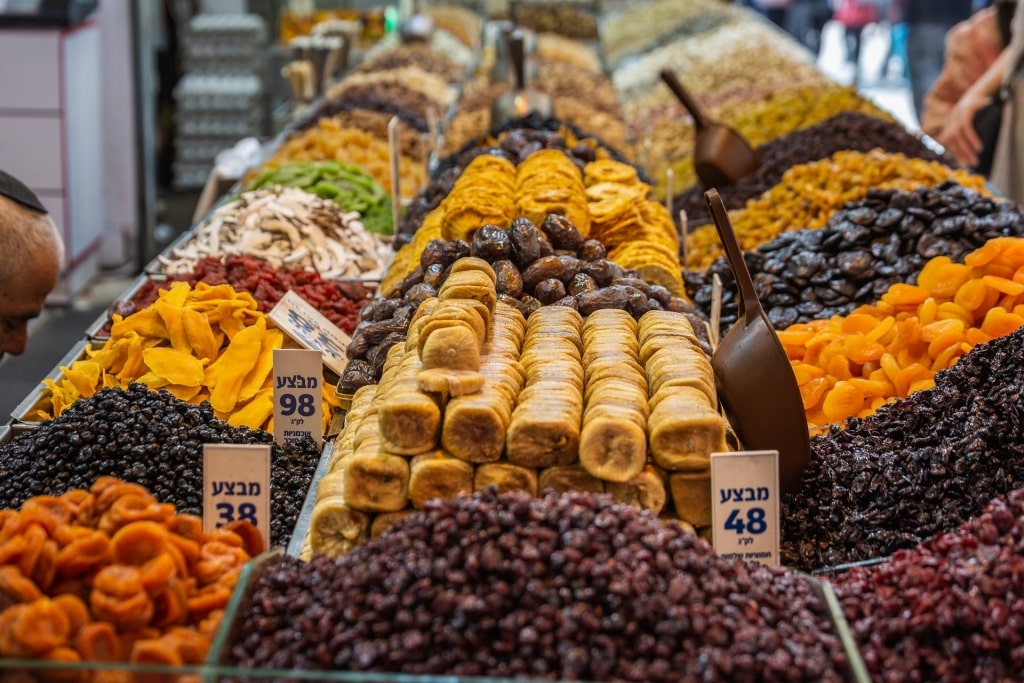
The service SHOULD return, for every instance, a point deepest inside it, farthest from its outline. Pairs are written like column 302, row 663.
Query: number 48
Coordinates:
column 755, row 523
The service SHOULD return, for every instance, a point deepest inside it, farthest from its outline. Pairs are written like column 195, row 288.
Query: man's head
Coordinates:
column 31, row 254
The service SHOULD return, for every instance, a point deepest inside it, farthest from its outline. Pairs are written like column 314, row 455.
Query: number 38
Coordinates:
column 246, row 512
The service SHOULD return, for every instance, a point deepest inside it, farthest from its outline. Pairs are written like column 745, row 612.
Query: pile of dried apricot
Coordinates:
column 110, row 574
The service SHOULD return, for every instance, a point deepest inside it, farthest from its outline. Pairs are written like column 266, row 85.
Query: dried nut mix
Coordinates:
column 287, row 228
column 209, row 343
column 809, row 194
column 109, row 574
column 850, row 366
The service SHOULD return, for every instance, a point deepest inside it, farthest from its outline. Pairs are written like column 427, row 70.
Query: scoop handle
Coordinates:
column 517, row 53
column 683, row 96
column 751, row 305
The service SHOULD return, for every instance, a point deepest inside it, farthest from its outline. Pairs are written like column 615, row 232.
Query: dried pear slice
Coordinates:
column 473, row 430
column 612, row 449
column 409, row 423
column 436, row 475
column 454, row 348
column 335, row 528
column 377, row 482
column 565, row 478
column 691, row 496
column 507, row 477
column 647, row 491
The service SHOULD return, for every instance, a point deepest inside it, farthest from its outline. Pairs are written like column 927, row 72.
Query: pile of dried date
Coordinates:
column 949, row 610
column 867, row 246
column 920, row 466
column 535, row 266
column 570, row 587
column 850, row 130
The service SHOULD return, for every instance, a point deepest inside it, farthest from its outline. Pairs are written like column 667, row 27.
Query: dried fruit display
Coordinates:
column 919, row 466
column 461, row 22
column 148, row 438
column 572, row 19
column 637, row 28
column 529, row 273
column 409, row 78
column 110, row 574
column 351, row 188
column 548, row 402
column 288, row 228
column 329, row 139
column 531, row 588
column 809, row 194
column 419, row 55
column 555, row 48
column 950, row 608
column 850, row 366
column 339, row 302
column 208, row 343
column 866, row 246
column 851, row 130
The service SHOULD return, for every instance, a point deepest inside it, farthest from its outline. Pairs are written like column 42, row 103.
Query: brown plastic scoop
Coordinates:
column 721, row 156
column 520, row 101
column 753, row 375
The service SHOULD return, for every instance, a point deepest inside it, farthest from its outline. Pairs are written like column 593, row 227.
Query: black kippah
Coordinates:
column 16, row 190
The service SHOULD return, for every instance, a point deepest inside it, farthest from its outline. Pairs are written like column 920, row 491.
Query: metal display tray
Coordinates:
column 23, row 414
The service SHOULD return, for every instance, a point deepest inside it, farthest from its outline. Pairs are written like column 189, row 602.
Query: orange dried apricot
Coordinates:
column 81, row 504
column 208, row 599
column 139, row 542
column 98, row 642
column 186, row 526
column 62, row 655
column 84, row 555
column 170, row 606
column 133, row 508
column 155, row 574
column 252, row 539
column 39, row 626
column 76, row 611
column 844, row 400
column 942, row 277
column 16, row 587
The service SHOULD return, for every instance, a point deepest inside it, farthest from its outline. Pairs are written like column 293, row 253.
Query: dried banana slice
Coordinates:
column 691, row 496
column 564, row 478
column 377, row 482
column 506, row 476
column 436, row 475
column 335, row 528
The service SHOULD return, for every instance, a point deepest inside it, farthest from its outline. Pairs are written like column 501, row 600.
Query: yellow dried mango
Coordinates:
column 230, row 369
column 261, row 368
column 205, row 344
column 256, row 412
column 177, row 367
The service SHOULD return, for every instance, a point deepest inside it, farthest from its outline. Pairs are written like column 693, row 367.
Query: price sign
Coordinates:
column 311, row 330
column 298, row 395
column 236, row 486
column 745, row 505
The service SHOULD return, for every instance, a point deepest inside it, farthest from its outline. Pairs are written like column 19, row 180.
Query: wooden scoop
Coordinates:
column 721, row 156
column 521, row 101
column 753, row 375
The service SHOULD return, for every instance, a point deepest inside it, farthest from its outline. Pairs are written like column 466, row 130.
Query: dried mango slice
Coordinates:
column 257, row 377
column 146, row 323
column 171, row 317
column 230, row 369
column 256, row 412
column 203, row 341
column 175, row 366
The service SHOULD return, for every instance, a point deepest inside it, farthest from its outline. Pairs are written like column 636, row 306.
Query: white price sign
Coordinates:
column 298, row 395
column 745, row 505
column 312, row 330
column 236, row 486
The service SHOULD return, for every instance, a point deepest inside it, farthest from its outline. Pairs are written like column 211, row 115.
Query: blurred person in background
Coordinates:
column 928, row 22
column 855, row 16
column 959, row 136
column 31, row 253
column 776, row 10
